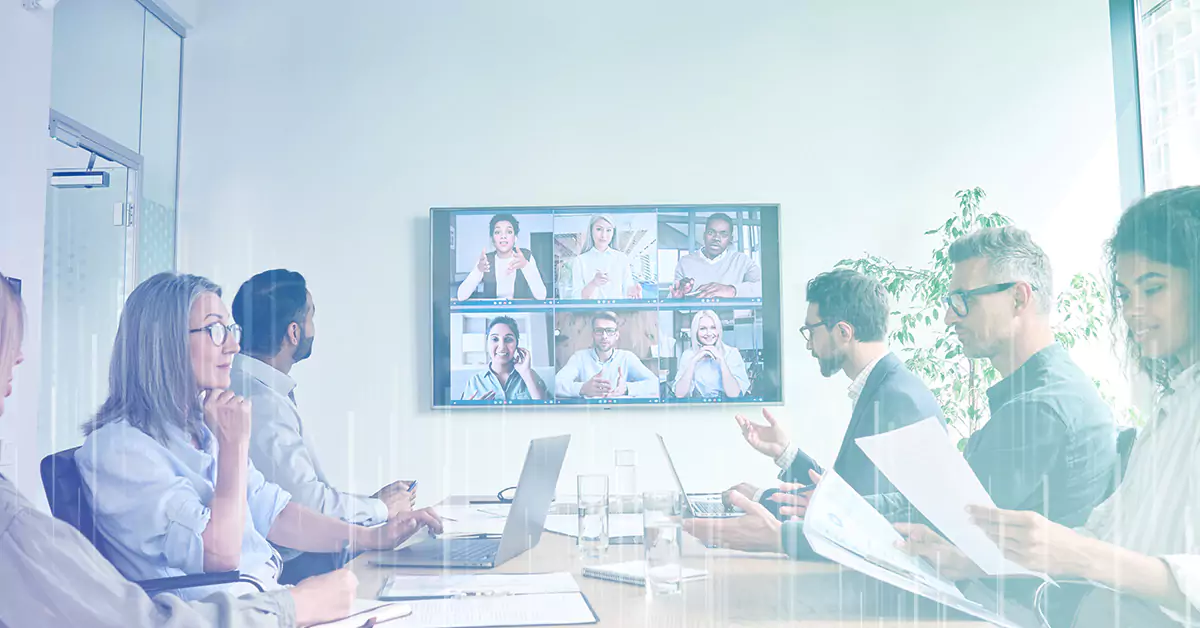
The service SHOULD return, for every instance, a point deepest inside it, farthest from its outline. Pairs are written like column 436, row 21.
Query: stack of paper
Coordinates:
column 923, row 465
column 405, row 587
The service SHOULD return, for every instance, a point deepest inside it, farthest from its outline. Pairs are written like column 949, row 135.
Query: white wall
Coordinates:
column 317, row 135
column 24, row 111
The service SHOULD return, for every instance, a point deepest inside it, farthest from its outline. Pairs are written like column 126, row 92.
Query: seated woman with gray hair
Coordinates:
column 165, row 463
column 710, row 368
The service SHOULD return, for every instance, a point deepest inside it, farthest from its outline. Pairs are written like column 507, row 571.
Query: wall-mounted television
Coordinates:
column 605, row 305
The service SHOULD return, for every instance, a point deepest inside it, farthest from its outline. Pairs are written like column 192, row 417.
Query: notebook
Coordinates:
column 634, row 572
column 365, row 610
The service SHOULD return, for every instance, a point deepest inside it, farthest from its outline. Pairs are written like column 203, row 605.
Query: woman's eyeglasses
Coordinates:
column 220, row 332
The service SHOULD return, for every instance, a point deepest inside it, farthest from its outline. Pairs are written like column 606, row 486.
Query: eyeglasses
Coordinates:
column 806, row 331
column 603, row 331
column 220, row 332
column 960, row 300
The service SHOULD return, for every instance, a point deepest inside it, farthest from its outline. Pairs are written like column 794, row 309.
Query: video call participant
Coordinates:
column 53, row 576
column 165, row 464
column 846, row 331
column 603, row 370
column 276, row 312
column 710, row 368
column 601, row 271
column 510, row 374
column 508, row 272
column 1049, row 445
column 715, row 271
column 1137, row 550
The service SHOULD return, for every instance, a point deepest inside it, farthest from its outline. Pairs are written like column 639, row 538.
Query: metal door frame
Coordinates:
column 77, row 135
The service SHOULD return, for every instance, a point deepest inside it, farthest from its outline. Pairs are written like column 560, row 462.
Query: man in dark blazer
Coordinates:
column 845, row 330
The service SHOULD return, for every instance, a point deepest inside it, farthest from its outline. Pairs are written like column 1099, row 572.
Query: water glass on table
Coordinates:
column 662, row 519
column 592, row 491
column 625, row 491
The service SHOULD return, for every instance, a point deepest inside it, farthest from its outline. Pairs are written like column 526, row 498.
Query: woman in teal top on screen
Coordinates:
column 166, row 461
column 510, row 375
column 710, row 368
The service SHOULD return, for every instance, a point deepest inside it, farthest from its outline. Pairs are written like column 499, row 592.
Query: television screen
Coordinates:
column 605, row 305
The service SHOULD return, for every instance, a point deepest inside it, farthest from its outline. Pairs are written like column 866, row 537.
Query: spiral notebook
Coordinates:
column 634, row 572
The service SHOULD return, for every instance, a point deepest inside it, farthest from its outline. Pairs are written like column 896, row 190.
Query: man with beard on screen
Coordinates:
column 845, row 329
column 276, row 311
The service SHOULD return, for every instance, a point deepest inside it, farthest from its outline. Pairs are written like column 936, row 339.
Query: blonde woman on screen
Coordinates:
column 601, row 271
column 710, row 368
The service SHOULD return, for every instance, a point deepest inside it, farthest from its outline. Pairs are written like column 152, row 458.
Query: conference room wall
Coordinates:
column 317, row 135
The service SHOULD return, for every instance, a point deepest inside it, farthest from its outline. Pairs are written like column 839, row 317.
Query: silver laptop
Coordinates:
column 522, row 529
column 699, row 505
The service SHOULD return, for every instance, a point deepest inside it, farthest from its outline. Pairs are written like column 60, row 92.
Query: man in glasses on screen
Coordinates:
column 714, row 271
column 603, row 370
column 1049, row 445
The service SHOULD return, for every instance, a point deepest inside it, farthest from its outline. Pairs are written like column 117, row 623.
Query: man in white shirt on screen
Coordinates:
column 603, row 370
column 714, row 271
column 276, row 310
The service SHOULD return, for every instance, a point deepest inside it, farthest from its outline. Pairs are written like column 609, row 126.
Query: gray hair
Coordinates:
column 12, row 322
column 1011, row 255
column 588, row 243
column 150, row 380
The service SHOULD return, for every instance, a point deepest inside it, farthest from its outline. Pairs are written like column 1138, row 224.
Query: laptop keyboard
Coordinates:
column 709, row 508
column 471, row 552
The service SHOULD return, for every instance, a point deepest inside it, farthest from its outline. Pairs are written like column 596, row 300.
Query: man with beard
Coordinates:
column 276, row 310
column 602, row 370
column 845, row 329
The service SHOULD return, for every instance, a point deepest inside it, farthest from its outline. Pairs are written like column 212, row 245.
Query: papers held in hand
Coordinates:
column 928, row 470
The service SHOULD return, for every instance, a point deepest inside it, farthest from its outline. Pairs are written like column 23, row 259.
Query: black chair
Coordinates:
column 68, row 503
column 1126, row 437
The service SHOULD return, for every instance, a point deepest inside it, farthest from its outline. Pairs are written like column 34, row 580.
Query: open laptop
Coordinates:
column 522, row 529
column 699, row 505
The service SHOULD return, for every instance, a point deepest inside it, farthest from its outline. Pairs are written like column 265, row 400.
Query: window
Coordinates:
column 1167, row 53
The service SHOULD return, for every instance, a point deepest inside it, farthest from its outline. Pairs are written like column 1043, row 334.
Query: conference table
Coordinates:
column 741, row 589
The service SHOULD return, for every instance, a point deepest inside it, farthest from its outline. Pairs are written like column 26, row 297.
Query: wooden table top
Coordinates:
column 741, row 590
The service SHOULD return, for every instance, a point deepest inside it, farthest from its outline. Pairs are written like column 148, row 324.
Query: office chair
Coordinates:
column 68, row 503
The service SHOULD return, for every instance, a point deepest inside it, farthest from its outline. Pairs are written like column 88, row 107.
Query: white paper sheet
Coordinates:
column 841, row 526
column 400, row 587
column 363, row 610
column 469, row 520
column 923, row 465
column 619, row 525
column 548, row 609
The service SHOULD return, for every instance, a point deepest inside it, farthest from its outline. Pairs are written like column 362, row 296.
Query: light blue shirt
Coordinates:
column 151, row 505
column 585, row 364
column 281, row 449
column 485, row 382
column 706, row 376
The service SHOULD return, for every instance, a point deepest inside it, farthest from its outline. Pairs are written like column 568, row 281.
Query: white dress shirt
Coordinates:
column 1156, row 509
column 585, row 364
column 281, row 451
column 785, row 460
column 612, row 262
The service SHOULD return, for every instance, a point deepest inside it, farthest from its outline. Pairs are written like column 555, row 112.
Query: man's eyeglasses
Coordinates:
column 220, row 332
column 960, row 300
column 605, row 331
column 807, row 330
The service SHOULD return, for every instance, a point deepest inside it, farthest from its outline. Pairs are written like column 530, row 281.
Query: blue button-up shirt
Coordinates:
column 151, row 504
column 585, row 364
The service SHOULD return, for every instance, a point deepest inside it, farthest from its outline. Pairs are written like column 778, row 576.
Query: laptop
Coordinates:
column 522, row 529
column 699, row 505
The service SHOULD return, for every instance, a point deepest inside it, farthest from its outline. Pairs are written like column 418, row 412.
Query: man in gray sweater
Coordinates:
column 714, row 271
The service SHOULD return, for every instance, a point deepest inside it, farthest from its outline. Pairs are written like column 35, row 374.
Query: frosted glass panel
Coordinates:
column 84, row 280
column 160, row 131
column 96, row 75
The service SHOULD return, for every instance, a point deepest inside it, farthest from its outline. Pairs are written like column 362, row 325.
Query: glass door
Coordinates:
column 87, row 274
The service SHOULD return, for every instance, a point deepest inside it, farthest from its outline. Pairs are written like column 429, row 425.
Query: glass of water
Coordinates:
column 593, row 515
column 662, row 518
column 626, row 481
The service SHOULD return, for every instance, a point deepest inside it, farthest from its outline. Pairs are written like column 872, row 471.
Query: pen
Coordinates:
column 412, row 487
